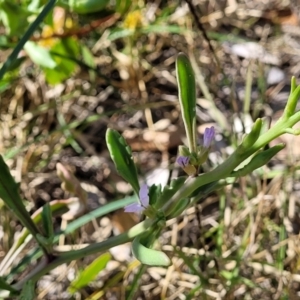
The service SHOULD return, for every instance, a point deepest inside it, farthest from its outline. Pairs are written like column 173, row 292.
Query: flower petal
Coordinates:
column 182, row 161
column 134, row 207
column 208, row 137
column 144, row 197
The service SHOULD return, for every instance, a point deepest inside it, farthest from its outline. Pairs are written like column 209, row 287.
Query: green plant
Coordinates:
column 158, row 205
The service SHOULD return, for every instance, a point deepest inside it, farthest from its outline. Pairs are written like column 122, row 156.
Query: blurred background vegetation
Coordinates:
column 90, row 65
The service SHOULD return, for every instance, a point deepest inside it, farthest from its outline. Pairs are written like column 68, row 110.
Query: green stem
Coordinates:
column 194, row 183
column 44, row 267
column 234, row 160
column 135, row 284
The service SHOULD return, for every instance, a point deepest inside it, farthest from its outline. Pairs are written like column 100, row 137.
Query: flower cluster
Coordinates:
column 187, row 163
column 190, row 162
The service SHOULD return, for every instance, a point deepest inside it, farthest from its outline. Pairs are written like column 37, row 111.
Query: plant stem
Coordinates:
column 44, row 266
column 234, row 160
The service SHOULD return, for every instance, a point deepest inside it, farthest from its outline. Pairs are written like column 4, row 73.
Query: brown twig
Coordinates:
column 203, row 31
column 104, row 23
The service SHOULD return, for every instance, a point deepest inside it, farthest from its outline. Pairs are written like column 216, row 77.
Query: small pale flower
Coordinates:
column 144, row 201
column 144, row 197
column 134, row 208
column 208, row 137
column 183, row 161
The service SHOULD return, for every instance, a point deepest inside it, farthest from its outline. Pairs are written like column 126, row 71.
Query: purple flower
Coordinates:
column 144, row 197
column 144, row 201
column 182, row 161
column 208, row 136
column 134, row 207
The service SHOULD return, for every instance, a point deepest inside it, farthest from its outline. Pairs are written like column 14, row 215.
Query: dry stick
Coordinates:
column 86, row 29
column 219, row 117
column 203, row 31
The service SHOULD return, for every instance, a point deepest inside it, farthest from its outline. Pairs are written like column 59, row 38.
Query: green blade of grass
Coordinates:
column 101, row 211
column 89, row 273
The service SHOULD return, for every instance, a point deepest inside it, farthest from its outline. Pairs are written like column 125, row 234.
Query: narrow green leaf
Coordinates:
column 34, row 5
column 258, row 160
column 16, row 64
column 178, row 208
column 47, row 220
column 70, row 138
column 292, row 100
column 149, row 256
column 88, row 58
column 10, row 195
column 293, row 84
column 5, row 286
column 122, row 6
column 187, row 97
column 251, row 137
column 89, row 273
column 46, row 242
column 121, row 155
column 28, row 291
column 39, row 55
column 119, row 33
column 101, row 211
column 266, row 123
